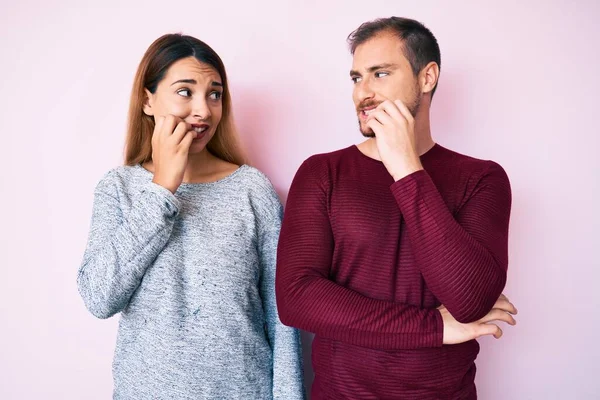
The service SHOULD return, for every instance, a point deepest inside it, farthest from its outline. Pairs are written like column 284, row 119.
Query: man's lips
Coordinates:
column 365, row 111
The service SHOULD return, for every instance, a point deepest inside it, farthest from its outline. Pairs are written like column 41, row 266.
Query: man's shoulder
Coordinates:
column 330, row 157
column 322, row 166
column 451, row 159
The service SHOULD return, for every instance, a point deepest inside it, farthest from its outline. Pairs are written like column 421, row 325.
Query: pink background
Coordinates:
column 519, row 85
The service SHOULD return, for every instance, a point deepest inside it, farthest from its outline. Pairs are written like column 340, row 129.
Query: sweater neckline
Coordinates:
column 423, row 157
column 223, row 180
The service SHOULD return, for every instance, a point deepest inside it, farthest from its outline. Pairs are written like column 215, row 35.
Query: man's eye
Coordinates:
column 355, row 79
column 380, row 74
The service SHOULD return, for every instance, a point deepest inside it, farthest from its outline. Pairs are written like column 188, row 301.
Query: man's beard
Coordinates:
column 413, row 108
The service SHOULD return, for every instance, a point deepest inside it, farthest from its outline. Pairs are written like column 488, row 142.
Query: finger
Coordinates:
column 392, row 110
column 158, row 124
column 488, row 329
column 382, row 117
column 375, row 126
column 186, row 142
column 506, row 306
column 498, row 333
column 169, row 125
column 405, row 111
column 498, row 315
column 180, row 131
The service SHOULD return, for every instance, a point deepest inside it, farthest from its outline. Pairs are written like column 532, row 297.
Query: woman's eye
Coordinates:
column 215, row 95
column 184, row 92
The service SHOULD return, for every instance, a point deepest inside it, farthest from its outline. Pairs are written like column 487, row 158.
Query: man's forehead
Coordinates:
column 381, row 49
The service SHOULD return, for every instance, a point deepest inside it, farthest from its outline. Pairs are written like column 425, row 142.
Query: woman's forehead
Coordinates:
column 192, row 69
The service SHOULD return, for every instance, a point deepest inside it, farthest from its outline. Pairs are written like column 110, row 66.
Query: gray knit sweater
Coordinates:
column 193, row 277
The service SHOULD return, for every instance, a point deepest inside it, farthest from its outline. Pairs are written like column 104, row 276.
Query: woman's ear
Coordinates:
column 148, row 103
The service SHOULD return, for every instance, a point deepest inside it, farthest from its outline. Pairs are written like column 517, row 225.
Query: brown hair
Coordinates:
column 156, row 61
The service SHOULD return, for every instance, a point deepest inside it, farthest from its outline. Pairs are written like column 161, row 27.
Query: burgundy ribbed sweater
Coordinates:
column 364, row 261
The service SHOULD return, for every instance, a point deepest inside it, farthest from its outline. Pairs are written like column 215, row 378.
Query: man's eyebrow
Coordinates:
column 375, row 68
column 382, row 66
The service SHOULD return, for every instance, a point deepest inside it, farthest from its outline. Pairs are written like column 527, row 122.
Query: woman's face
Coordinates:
column 192, row 91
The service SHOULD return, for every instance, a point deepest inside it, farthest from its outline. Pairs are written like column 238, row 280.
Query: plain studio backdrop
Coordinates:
column 519, row 85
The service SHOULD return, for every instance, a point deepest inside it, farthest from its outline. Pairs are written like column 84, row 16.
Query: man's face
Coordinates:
column 380, row 72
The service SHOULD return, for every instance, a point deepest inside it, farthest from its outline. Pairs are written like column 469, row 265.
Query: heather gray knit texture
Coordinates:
column 193, row 277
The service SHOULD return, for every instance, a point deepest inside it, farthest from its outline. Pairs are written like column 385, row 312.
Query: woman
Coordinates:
column 183, row 241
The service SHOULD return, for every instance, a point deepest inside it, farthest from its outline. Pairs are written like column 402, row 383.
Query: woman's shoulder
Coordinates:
column 261, row 191
column 255, row 180
column 122, row 178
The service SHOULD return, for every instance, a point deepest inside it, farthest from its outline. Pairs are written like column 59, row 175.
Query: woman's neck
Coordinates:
column 200, row 165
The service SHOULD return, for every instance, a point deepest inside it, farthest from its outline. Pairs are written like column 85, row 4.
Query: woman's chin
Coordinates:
column 197, row 148
column 199, row 145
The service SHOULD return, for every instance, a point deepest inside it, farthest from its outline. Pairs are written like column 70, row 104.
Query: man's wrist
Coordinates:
column 406, row 169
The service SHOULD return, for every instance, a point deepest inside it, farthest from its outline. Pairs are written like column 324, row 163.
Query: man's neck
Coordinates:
column 424, row 141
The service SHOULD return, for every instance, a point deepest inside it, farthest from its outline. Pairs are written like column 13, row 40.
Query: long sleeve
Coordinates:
column 284, row 340
column 121, row 247
column 463, row 258
column 309, row 300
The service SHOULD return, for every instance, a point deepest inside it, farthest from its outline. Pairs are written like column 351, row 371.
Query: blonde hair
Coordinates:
column 156, row 61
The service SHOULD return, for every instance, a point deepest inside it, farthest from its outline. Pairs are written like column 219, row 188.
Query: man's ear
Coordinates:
column 148, row 104
column 429, row 77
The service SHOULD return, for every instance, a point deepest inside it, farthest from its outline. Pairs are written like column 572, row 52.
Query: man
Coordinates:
column 394, row 252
